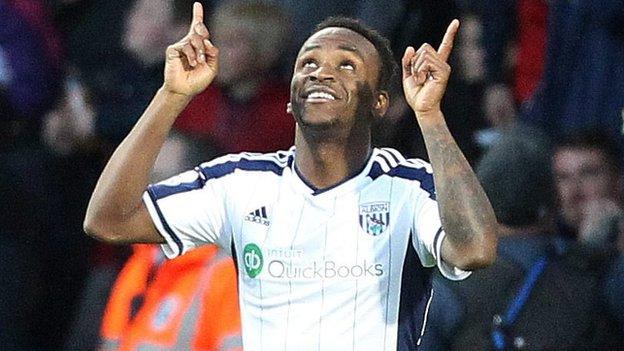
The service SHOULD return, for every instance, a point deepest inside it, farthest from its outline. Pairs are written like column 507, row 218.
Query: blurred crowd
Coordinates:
column 536, row 102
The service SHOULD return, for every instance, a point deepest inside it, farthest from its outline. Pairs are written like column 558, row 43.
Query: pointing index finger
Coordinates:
column 447, row 42
column 198, row 13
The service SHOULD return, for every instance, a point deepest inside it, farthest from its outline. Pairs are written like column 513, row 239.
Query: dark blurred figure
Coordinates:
column 117, row 48
column 588, row 171
column 383, row 16
column 34, row 240
column 583, row 82
column 425, row 22
column 30, row 62
column 513, row 37
column 514, row 27
column 587, row 168
column 105, row 87
column 246, row 108
column 543, row 292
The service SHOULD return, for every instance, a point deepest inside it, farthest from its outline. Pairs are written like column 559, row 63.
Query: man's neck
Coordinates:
column 327, row 162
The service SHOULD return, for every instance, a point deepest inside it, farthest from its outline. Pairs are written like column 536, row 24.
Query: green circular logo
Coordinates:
column 252, row 257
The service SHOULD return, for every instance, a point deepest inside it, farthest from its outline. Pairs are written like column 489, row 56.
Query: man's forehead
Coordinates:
column 340, row 37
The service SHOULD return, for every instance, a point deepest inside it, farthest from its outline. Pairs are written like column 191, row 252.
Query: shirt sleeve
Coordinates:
column 427, row 230
column 188, row 210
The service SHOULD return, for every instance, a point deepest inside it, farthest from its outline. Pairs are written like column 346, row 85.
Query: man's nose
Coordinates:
column 321, row 74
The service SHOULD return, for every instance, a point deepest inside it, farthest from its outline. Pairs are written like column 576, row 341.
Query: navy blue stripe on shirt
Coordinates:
column 411, row 173
column 395, row 154
column 165, row 225
column 436, row 238
column 212, row 172
column 376, row 171
column 387, row 159
column 160, row 191
column 389, row 153
column 289, row 161
column 420, row 174
column 223, row 169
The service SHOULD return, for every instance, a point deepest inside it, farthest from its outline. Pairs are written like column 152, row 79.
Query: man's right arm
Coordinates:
column 116, row 212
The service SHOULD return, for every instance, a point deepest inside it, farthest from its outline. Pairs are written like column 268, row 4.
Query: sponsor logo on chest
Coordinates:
column 259, row 216
column 290, row 264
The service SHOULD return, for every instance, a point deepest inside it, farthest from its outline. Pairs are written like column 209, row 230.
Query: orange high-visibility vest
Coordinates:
column 188, row 303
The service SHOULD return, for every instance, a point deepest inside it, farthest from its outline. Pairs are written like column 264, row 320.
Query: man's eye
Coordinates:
column 347, row 66
column 310, row 64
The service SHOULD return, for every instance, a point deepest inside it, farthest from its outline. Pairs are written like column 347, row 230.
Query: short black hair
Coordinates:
column 593, row 138
column 389, row 67
column 517, row 176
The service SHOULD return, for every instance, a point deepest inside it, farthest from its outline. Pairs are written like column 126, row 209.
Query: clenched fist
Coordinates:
column 191, row 64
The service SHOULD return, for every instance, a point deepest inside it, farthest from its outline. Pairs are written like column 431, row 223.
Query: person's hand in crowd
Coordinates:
column 191, row 63
column 600, row 225
column 426, row 73
column 71, row 124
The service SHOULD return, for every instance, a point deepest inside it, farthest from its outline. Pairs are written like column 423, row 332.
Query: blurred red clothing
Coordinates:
column 188, row 303
column 260, row 124
column 532, row 22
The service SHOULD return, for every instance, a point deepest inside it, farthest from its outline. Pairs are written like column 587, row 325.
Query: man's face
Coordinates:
column 235, row 44
column 335, row 77
column 583, row 175
column 150, row 29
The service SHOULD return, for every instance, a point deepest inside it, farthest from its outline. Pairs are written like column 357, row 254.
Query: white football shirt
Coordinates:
column 344, row 268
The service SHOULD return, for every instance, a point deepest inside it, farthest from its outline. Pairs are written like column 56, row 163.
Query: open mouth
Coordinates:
column 319, row 95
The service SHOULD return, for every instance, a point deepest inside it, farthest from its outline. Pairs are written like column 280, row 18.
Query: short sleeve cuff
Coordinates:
column 448, row 271
column 172, row 247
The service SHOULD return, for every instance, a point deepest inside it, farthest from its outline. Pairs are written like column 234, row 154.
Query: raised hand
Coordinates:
column 426, row 73
column 191, row 63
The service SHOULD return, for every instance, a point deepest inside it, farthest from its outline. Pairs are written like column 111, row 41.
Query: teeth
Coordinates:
column 321, row 95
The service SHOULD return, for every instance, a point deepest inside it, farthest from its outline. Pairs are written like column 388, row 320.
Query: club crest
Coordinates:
column 375, row 217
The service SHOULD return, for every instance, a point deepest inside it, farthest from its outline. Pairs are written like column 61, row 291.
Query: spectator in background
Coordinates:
column 116, row 48
column 30, row 56
column 543, row 292
column 69, row 135
column 178, row 153
column 245, row 109
column 33, row 238
column 587, row 167
column 513, row 37
column 425, row 21
column 96, row 109
column 189, row 303
column 92, row 31
column 583, row 82
column 133, row 75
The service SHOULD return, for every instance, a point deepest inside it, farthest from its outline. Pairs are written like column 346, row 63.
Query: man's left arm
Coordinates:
column 467, row 216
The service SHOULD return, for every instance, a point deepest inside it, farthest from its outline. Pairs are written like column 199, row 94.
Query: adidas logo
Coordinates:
column 258, row 216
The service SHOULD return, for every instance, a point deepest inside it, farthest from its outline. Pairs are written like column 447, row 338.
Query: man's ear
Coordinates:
column 289, row 108
column 382, row 102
